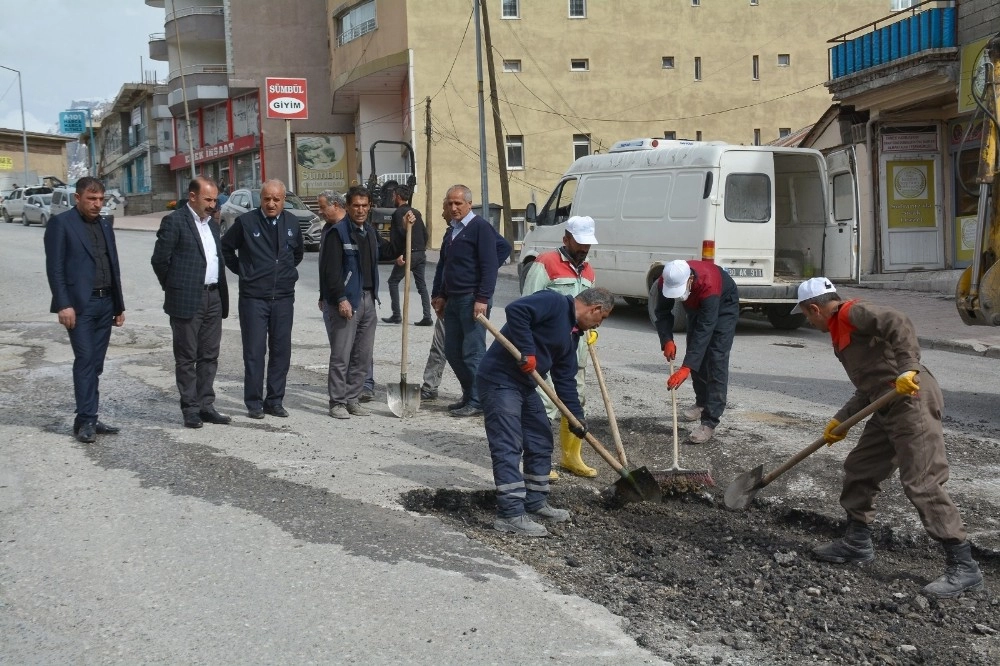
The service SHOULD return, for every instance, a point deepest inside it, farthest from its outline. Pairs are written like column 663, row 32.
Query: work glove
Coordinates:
column 580, row 432
column 591, row 336
column 527, row 364
column 829, row 436
column 906, row 383
column 678, row 377
column 669, row 350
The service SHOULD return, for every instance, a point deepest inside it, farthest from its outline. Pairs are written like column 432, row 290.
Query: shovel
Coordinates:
column 612, row 421
column 404, row 399
column 741, row 492
column 634, row 486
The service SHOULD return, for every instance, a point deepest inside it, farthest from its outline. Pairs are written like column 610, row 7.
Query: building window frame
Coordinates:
column 580, row 9
column 581, row 145
column 515, row 152
column 510, row 9
column 667, row 62
column 512, row 66
column 784, row 131
column 579, row 64
column 359, row 23
column 755, row 70
column 784, row 60
column 670, row 135
column 756, row 136
column 697, row 68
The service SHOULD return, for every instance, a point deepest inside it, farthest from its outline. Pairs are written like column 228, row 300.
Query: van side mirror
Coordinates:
column 530, row 213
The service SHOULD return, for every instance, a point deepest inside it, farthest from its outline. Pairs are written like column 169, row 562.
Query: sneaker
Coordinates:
column 701, row 434
column 367, row 395
column 551, row 513
column 339, row 411
column 468, row 410
column 520, row 525
column 692, row 413
column 428, row 394
column 355, row 409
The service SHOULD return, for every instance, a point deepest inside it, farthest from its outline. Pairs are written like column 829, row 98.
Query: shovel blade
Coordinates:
column 404, row 399
column 740, row 493
column 637, row 486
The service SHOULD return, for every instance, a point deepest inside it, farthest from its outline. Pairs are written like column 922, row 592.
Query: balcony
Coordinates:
column 155, row 3
column 202, row 24
column 158, row 47
column 897, row 37
column 205, row 85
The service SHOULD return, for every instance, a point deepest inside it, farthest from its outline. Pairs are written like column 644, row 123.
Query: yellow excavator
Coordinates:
column 977, row 295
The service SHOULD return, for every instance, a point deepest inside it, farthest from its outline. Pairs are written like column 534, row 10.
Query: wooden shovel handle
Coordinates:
column 616, row 436
column 550, row 392
column 403, row 362
column 872, row 407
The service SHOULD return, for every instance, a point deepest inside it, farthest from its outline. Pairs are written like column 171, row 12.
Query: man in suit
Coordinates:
column 263, row 247
column 187, row 260
column 81, row 262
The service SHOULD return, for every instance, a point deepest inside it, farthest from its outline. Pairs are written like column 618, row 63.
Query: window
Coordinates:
column 784, row 60
column 754, row 3
column 581, row 145
column 578, row 8
column 510, row 9
column 579, row 65
column 697, row 135
column 784, row 131
column 697, row 69
column 756, row 137
column 756, row 68
column 559, row 206
column 512, row 66
column 357, row 22
column 900, row 5
column 668, row 62
column 843, row 197
column 748, row 197
column 696, row 3
column 670, row 135
column 515, row 151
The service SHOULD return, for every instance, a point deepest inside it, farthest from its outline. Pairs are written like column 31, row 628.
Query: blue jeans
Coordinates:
column 464, row 344
column 89, row 339
column 516, row 428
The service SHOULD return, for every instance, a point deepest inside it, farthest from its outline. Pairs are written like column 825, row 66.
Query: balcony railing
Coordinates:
column 895, row 37
column 195, row 11
column 198, row 69
column 356, row 31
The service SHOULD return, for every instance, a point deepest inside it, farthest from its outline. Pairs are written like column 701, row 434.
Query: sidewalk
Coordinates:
column 932, row 312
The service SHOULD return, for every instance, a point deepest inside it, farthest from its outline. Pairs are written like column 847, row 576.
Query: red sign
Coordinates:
column 286, row 98
column 207, row 153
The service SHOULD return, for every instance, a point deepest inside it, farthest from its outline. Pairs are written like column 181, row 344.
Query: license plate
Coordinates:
column 736, row 272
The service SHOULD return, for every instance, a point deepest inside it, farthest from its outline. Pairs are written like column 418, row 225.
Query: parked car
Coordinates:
column 13, row 205
column 241, row 201
column 64, row 198
column 37, row 210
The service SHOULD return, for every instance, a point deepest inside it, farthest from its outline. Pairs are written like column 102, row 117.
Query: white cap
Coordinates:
column 812, row 288
column 675, row 277
column 581, row 228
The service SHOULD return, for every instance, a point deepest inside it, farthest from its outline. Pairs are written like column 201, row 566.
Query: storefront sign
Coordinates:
column 966, row 238
column 973, row 76
column 215, row 152
column 323, row 162
column 911, row 186
column 6, row 163
column 72, row 122
column 286, row 98
column 913, row 142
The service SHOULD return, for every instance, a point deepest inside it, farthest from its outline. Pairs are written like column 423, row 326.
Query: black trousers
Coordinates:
column 266, row 329
column 196, row 353
column 418, row 261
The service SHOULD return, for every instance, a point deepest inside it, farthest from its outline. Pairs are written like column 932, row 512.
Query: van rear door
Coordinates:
column 841, row 243
column 744, row 216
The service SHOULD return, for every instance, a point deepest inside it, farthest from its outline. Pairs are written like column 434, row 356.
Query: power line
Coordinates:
column 457, row 52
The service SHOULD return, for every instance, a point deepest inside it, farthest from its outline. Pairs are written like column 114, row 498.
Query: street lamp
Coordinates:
column 24, row 133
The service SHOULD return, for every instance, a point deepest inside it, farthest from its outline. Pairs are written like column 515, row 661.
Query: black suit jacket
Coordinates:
column 70, row 264
column 179, row 263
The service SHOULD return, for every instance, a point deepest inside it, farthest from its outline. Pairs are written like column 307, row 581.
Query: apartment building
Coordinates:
column 905, row 113
column 574, row 76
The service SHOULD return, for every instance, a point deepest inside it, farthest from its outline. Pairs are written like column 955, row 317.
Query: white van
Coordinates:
column 761, row 212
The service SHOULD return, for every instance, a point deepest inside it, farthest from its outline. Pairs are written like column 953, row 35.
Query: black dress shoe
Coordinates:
column 276, row 410
column 255, row 413
column 468, row 410
column 456, row 405
column 192, row 421
column 393, row 320
column 426, row 321
column 87, row 433
column 100, row 429
column 212, row 416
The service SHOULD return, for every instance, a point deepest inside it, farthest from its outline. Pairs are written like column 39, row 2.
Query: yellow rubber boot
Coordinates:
column 571, row 445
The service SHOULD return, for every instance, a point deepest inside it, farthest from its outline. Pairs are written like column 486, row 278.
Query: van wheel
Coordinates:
column 781, row 318
column 680, row 314
column 522, row 273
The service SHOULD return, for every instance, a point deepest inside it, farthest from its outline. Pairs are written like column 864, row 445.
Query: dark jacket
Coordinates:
column 543, row 325
column 179, row 263
column 397, row 231
column 70, row 264
column 712, row 292
column 266, row 269
column 469, row 262
column 340, row 263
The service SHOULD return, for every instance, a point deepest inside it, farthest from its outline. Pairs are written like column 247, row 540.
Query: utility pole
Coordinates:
column 24, row 132
column 506, row 223
column 430, row 214
column 484, row 173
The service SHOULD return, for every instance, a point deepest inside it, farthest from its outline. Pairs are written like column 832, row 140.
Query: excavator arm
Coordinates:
column 977, row 295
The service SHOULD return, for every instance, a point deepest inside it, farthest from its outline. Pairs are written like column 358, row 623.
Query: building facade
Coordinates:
column 46, row 157
column 573, row 77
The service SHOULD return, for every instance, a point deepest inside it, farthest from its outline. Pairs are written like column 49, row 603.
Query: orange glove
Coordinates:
column 527, row 364
column 669, row 350
column 678, row 377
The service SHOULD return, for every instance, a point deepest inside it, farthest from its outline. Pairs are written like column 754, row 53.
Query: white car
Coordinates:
column 37, row 210
column 13, row 205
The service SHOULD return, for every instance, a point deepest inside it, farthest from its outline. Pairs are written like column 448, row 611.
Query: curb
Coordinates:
column 959, row 347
